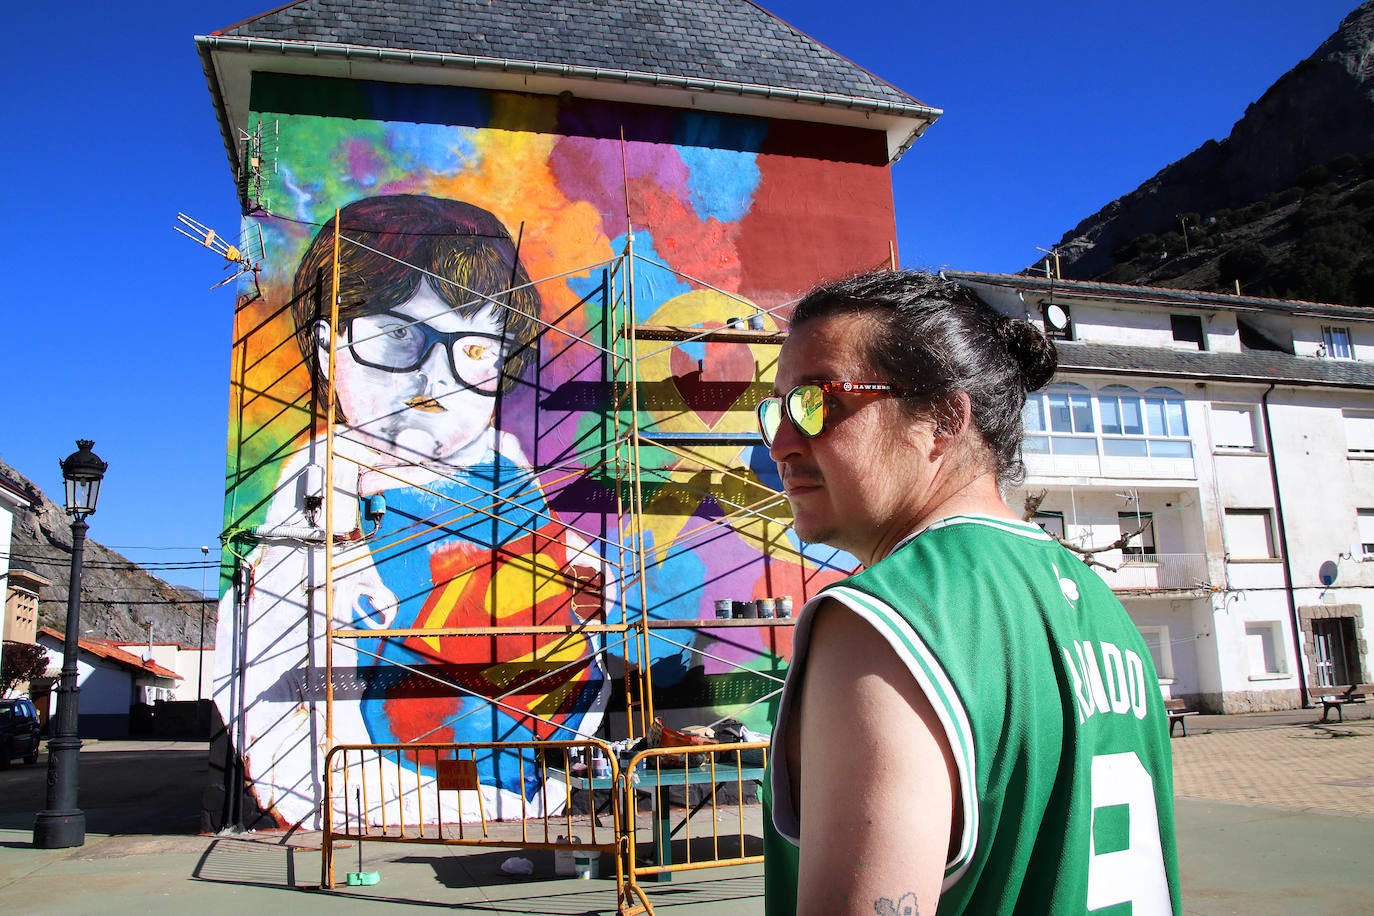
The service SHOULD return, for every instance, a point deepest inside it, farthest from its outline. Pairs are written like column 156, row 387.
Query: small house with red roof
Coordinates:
column 112, row 680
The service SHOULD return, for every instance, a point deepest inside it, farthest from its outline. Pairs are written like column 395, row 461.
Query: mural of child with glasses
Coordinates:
column 437, row 320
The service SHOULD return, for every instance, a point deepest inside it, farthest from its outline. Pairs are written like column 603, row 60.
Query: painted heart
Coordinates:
column 710, row 387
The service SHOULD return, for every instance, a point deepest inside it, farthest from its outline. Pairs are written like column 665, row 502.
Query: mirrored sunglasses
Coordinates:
column 804, row 406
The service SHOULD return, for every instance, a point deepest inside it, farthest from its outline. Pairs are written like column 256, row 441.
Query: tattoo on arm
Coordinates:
column 903, row 906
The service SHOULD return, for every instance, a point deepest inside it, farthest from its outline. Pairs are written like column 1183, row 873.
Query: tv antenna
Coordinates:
column 1053, row 253
column 247, row 256
column 257, row 155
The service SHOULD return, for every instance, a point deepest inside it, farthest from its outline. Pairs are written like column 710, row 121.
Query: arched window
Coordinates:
column 1123, row 422
column 1121, row 411
column 1059, row 421
column 1062, row 420
column 1166, row 424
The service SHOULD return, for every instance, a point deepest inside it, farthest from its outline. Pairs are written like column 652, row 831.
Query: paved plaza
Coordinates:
column 1314, row 767
column 1275, row 816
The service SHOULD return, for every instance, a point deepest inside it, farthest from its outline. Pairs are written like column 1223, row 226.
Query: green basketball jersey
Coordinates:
column 1048, row 698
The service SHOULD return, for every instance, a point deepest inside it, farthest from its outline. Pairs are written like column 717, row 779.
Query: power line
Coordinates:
column 62, row 556
column 140, row 547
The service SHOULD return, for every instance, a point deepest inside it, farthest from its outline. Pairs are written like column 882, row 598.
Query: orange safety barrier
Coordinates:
column 431, row 794
column 700, row 793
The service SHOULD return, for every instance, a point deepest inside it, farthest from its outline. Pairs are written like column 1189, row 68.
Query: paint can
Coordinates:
column 587, row 864
column 784, row 605
column 764, row 607
column 740, row 609
column 601, row 767
column 756, row 321
column 563, row 859
column 724, row 608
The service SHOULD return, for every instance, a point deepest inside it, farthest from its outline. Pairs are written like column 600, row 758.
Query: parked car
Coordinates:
column 18, row 731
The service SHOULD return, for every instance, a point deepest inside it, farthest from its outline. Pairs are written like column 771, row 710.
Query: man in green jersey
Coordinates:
column 972, row 723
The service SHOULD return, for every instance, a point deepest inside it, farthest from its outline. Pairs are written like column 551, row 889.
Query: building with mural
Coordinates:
column 513, row 279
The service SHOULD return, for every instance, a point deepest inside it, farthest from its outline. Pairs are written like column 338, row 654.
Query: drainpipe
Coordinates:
column 1283, row 547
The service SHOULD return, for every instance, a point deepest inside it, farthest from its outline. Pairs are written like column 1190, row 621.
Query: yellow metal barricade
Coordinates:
column 697, row 812
column 671, row 809
column 430, row 794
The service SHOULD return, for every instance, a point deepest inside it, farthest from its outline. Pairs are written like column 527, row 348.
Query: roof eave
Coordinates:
column 1094, row 291
column 1300, row 374
column 229, row 61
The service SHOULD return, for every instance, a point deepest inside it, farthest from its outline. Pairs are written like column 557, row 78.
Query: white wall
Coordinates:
column 183, row 661
column 1307, row 336
column 7, row 509
column 105, row 690
column 1223, row 334
column 1177, row 617
column 1321, row 488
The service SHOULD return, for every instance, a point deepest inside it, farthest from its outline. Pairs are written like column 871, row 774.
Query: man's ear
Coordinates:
column 320, row 331
column 953, row 416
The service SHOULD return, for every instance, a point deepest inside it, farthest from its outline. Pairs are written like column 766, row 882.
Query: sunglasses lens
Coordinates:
column 806, row 407
column 770, row 418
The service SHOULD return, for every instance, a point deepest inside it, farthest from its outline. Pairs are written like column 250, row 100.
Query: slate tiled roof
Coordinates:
column 1092, row 289
column 732, row 41
column 1260, row 367
column 1257, row 367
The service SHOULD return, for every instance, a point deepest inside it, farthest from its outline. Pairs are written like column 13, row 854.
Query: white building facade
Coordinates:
column 1232, row 439
column 12, row 499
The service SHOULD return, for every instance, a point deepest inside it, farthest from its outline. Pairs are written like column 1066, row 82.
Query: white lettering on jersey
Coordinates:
column 1106, row 679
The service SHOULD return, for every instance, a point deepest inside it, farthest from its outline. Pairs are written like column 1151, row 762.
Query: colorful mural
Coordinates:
column 491, row 246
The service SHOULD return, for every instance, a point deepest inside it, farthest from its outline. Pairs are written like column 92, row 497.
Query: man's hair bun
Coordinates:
column 1033, row 352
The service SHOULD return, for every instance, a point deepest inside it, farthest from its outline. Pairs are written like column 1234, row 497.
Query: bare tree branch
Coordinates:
column 1086, row 554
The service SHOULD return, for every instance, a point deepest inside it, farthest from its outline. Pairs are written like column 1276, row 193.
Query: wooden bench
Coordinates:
column 1337, row 697
column 1178, row 714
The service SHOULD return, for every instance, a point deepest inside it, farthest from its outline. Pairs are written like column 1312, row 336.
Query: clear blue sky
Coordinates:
column 111, row 333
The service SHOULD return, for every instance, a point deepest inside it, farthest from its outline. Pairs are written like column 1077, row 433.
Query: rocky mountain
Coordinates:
column 1308, row 139
column 118, row 597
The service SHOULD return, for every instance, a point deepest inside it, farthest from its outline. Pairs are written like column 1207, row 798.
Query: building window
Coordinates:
column 1235, row 427
column 1359, row 433
column 1264, row 648
column 1141, row 547
column 1152, row 425
column 1161, row 652
column 1264, row 336
column 1060, row 421
column 1166, row 424
column 1188, row 331
column 1366, row 523
column 1052, row 523
column 1250, row 534
column 1332, row 640
column 1121, row 411
column 1336, row 342
column 1065, row 413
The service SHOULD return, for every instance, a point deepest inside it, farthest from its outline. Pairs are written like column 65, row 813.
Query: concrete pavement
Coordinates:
column 1275, row 815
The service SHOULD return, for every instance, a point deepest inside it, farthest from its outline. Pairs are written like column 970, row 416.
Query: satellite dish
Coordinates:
column 1327, row 572
column 1057, row 317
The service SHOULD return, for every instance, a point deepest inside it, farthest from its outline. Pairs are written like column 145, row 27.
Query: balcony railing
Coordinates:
column 1154, row 571
column 1110, row 466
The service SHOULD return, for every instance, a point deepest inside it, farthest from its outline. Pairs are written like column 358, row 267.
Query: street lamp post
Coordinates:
column 62, row 824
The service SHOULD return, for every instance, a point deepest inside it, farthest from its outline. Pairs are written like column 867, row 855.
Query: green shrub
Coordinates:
column 1287, row 196
column 1246, row 262
column 1317, row 175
